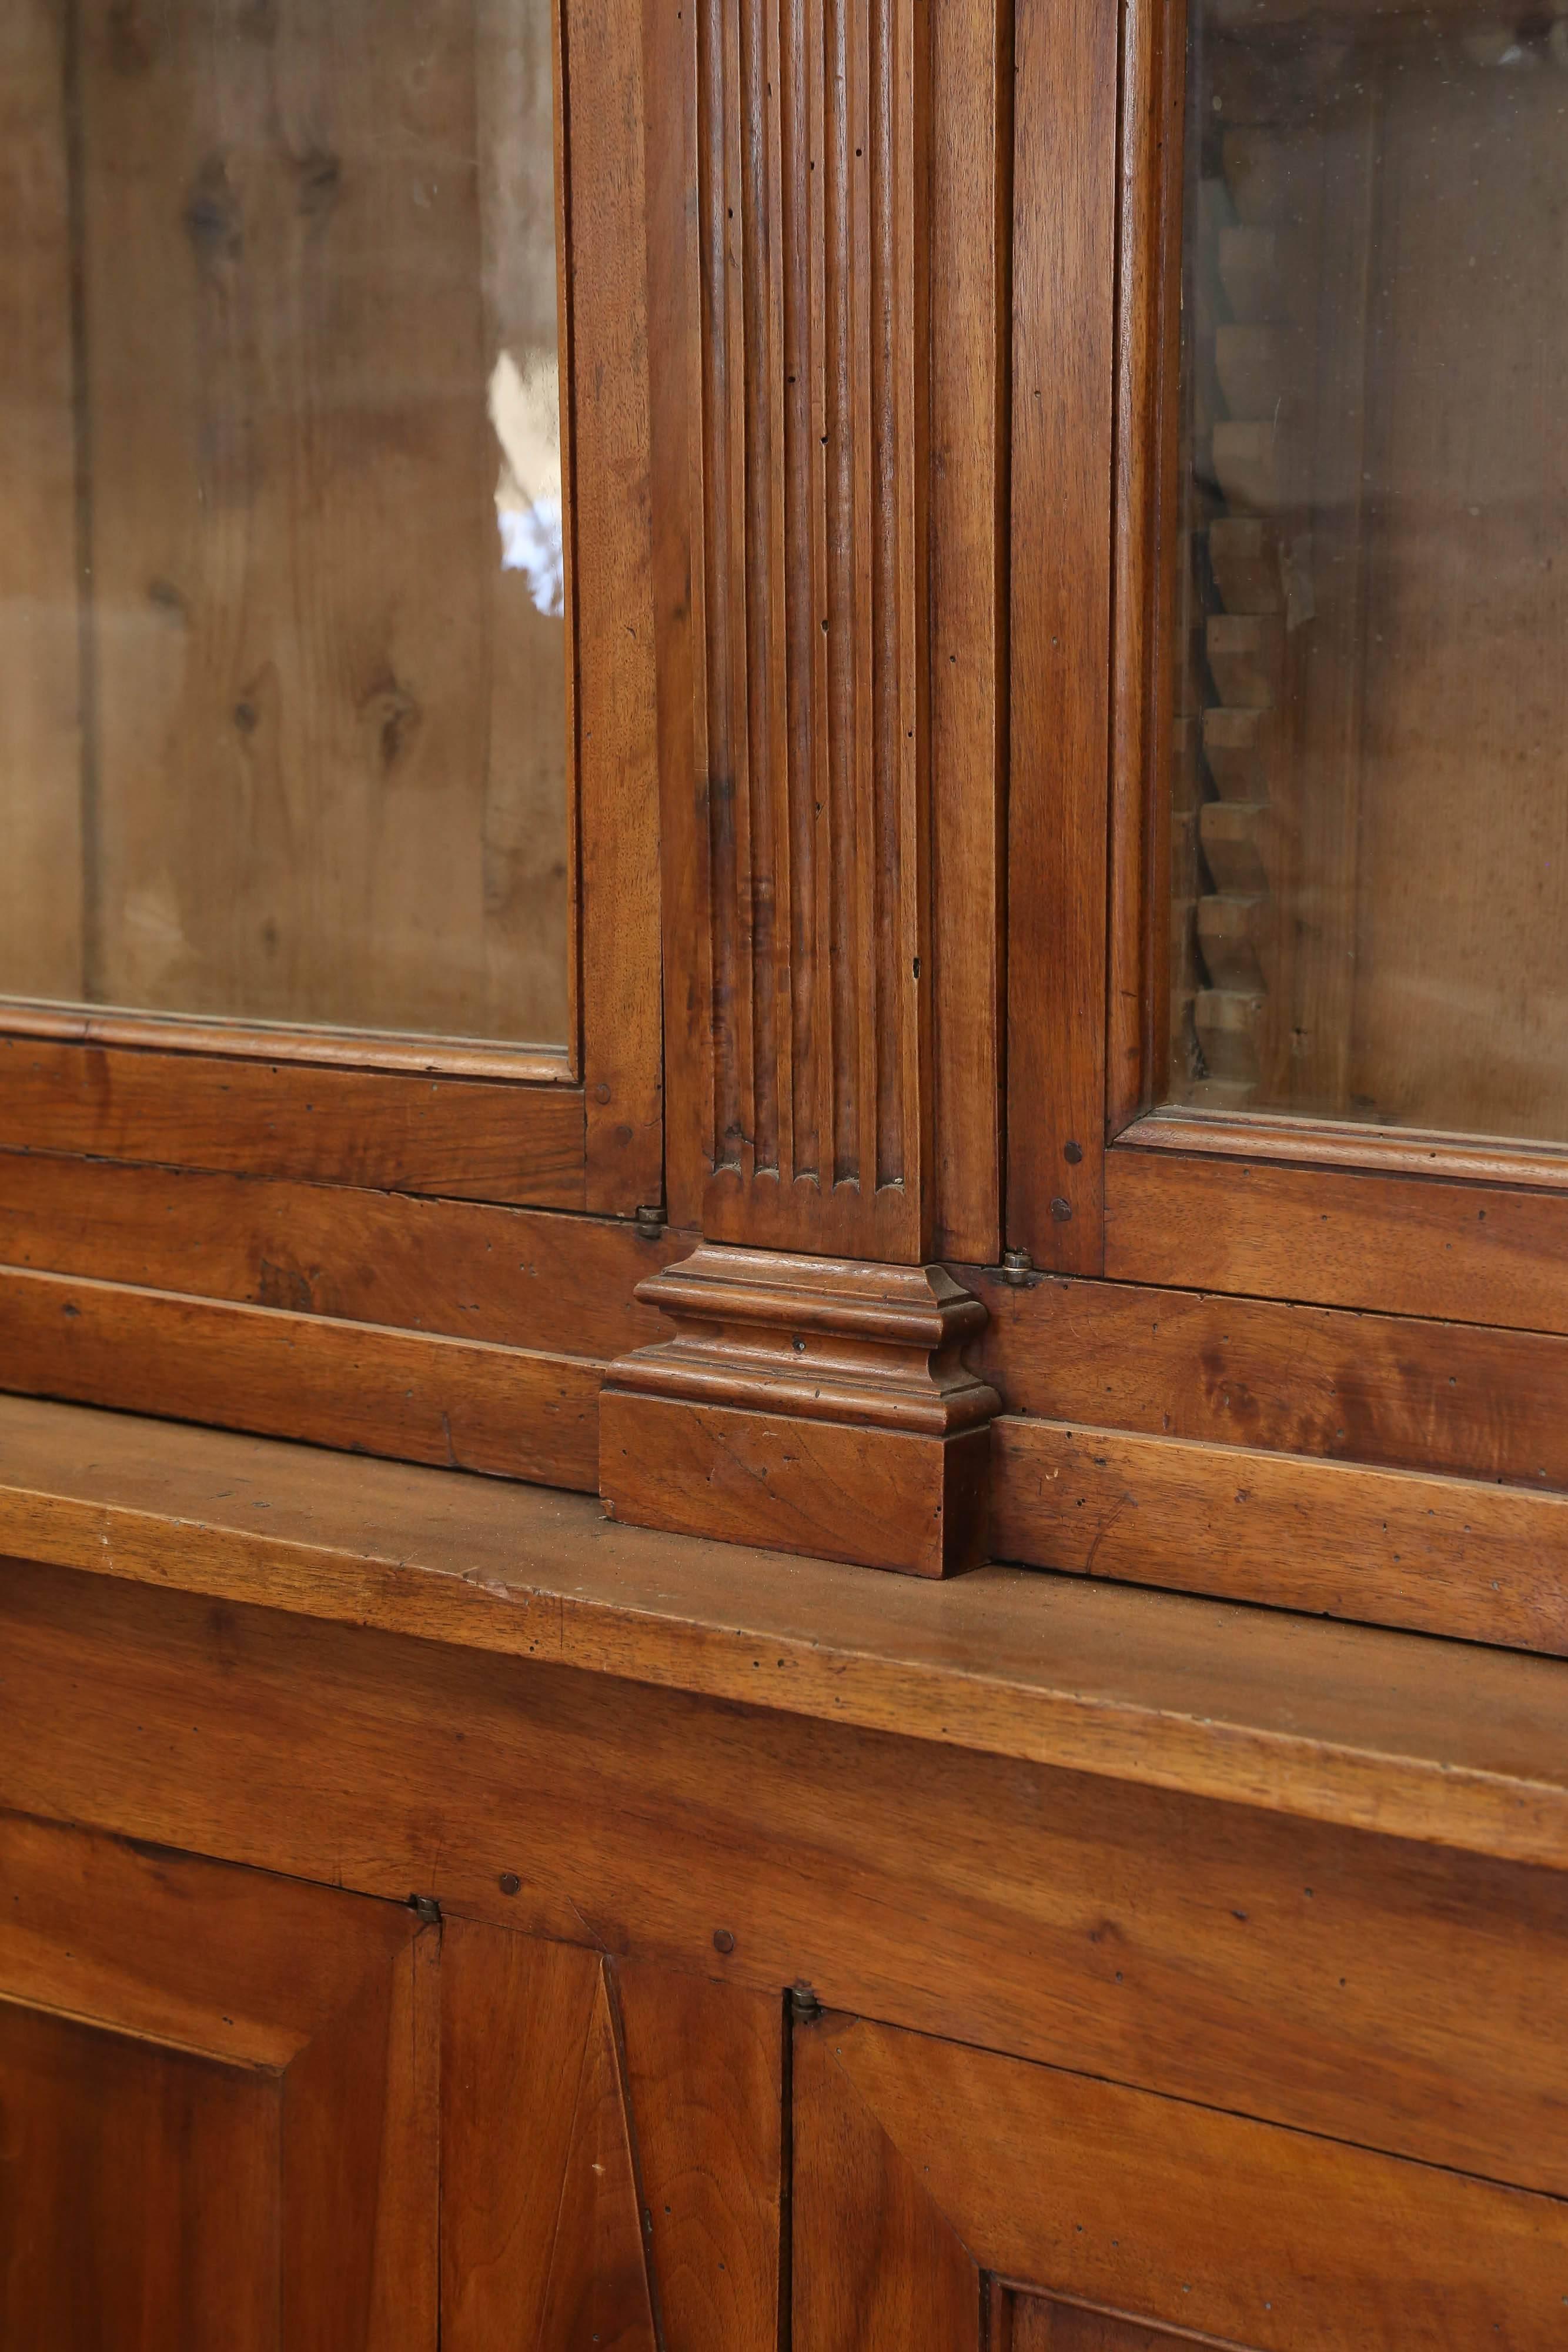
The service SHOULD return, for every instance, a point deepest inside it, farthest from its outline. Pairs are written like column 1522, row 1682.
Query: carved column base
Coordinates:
column 810, row 1404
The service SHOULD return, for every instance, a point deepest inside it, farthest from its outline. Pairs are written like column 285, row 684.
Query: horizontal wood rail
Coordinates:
column 1428, row 1740
column 1452, row 1556
column 515, row 1412
column 1335, row 1236
column 1286, row 1141
column 1387, row 1468
column 1399, row 1391
column 460, row 1137
column 519, row 1278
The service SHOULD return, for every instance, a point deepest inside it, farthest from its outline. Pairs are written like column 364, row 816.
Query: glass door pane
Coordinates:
column 1370, row 774
column 282, row 659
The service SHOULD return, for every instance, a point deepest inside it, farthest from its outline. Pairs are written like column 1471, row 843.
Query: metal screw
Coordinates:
column 723, row 1941
column 510, row 1882
column 1061, row 1211
column 651, row 1222
column 1017, row 1267
column 427, row 1908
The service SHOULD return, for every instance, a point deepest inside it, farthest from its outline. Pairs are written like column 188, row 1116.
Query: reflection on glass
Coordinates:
column 282, row 646
column 1369, row 815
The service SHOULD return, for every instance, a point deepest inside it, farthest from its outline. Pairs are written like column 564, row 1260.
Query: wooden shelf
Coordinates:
column 1442, row 1742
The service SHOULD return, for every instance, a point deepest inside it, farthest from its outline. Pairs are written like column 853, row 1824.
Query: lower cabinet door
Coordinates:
column 218, row 2121
column 946, row 2199
column 242, row 2114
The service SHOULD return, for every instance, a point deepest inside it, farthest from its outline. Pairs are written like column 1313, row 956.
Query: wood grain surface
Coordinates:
column 705, row 2080
column 220, row 2092
column 1407, row 1392
column 520, row 1277
column 817, row 1405
column 1139, row 1935
column 612, row 2143
column 516, row 2014
column 1413, row 1737
column 1464, row 1253
column 883, row 1497
column 800, row 863
column 457, row 1137
column 878, row 2264
column 971, row 294
column 1452, row 1556
column 607, row 245
column 411, row 1394
column 1145, row 559
column 1064, row 229
column 1213, row 2225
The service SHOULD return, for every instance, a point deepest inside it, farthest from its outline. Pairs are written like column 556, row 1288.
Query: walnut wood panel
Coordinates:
column 1397, row 1390
column 579, row 2099
column 1142, row 1936
column 1164, row 2213
column 1439, row 1742
column 220, row 2095
column 542, row 2239
column 804, row 1036
column 611, row 2150
column 705, row 2070
column 451, row 1136
column 1064, row 233
column 597, row 2283
column 1023, row 2322
column 878, row 2266
column 883, row 1497
column 1452, row 1555
column 515, row 2016
column 466, row 1405
column 515, row 2019
column 520, row 1277
column 675, row 391
column 1406, row 1245
column 167, row 2164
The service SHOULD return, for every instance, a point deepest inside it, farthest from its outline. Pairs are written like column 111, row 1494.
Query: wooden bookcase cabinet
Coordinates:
column 534, row 1999
column 849, row 1221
